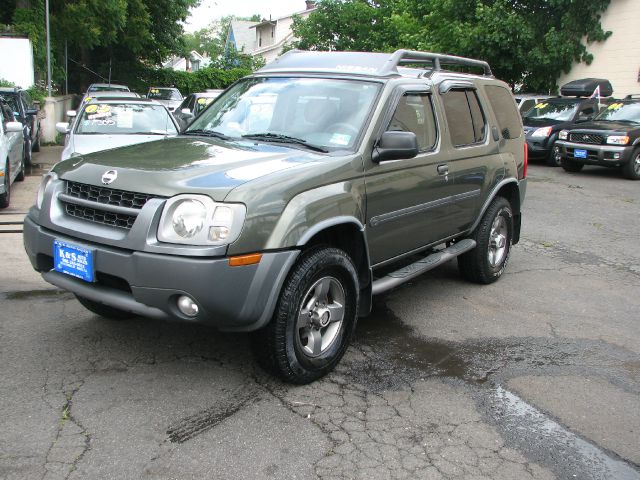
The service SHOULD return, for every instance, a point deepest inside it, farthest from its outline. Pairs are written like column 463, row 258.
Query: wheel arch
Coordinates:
column 347, row 234
column 510, row 190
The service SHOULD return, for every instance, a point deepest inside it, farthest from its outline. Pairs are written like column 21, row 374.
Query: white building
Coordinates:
column 618, row 58
column 273, row 35
column 195, row 63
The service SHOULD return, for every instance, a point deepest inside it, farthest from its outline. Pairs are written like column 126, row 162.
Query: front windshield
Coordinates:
column 326, row 113
column 619, row 111
column 164, row 94
column 12, row 101
column 125, row 119
column 552, row 111
column 108, row 88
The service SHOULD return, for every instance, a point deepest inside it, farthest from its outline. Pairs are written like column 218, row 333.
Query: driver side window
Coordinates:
column 414, row 113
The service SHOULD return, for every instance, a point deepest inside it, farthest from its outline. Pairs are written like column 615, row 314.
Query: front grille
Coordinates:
column 99, row 216
column 107, row 196
column 590, row 138
column 115, row 208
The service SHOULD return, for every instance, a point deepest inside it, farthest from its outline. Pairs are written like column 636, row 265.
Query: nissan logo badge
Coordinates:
column 109, row 176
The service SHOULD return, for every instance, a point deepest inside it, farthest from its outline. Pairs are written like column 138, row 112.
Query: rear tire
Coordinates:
column 487, row 261
column 570, row 166
column 314, row 319
column 631, row 169
column 5, row 198
column 104, row 310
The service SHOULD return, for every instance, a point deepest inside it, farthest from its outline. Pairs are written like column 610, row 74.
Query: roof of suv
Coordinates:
column 370, row 64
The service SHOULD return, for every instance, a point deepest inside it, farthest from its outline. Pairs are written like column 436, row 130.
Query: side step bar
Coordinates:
column 409, row 272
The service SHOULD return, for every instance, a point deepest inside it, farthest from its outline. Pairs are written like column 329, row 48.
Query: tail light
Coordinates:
column 526, row 161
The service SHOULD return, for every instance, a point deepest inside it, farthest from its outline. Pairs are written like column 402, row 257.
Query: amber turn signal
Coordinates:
column 241, row 260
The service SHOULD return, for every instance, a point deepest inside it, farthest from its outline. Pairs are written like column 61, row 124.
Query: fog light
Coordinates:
column 187, row 306
column 616, row 156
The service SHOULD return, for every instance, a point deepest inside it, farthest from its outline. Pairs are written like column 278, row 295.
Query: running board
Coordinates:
column 429, row 262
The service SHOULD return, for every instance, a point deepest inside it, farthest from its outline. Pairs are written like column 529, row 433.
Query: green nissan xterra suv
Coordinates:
column 277, row 209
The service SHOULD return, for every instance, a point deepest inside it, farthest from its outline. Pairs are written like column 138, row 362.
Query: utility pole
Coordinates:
column 48, row 49
column 66, row 69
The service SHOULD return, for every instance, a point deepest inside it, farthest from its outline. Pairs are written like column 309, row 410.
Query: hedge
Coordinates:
column 140, row 78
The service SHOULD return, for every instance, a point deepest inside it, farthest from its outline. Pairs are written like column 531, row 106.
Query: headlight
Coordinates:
column 617, row 140
column 46, row 180
column 563, row 135
column 542, row 132
column 198, row 220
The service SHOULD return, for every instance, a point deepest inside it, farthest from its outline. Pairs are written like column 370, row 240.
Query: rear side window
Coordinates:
column 414, row 113
column 503, row 106
column 466, row 121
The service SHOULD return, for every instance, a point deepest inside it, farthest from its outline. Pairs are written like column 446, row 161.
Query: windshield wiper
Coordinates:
column 207, row 133
column 279, row 138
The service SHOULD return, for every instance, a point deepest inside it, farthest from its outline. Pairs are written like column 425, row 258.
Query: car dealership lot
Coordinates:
column 536, row 376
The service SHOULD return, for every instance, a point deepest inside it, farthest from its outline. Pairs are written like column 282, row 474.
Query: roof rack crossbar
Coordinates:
column 400, row 57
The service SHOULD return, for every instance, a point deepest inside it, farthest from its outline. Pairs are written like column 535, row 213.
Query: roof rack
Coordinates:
column 400, row 57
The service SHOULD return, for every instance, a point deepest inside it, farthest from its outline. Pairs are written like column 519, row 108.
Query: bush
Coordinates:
column 140, row 78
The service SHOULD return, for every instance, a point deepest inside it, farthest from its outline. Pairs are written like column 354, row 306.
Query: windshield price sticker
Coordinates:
column 541, row 105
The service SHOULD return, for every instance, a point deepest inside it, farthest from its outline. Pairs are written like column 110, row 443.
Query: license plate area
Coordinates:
column 580, row 153
column 73, row 260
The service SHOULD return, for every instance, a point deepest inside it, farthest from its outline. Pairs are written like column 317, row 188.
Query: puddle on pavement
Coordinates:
column 395, row 357
column 546, row 441
column 31, row 294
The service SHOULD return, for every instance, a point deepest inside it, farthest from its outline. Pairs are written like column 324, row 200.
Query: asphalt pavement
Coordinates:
column 534, row 377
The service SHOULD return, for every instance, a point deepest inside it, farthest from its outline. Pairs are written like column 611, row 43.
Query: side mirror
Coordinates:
column 395, row 146
column 13, row 127
column 71, row 113
column 31, row 111
column 185, row 111
column 62, row 127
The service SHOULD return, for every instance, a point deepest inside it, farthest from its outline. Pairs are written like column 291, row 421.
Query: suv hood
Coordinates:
column 608, row 126
column 184, row 165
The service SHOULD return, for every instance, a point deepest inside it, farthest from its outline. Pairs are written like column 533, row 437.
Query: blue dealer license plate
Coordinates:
column 579, row 153
column 73, row 260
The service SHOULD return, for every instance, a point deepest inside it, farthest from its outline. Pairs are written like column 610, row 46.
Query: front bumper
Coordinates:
column 148, row 284
column 606, row 155
column 539, row 148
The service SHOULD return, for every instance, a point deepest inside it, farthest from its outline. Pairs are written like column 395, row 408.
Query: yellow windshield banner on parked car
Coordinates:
column 615, row 106
column 541, row 105
column 91, row 109
column 88, row 99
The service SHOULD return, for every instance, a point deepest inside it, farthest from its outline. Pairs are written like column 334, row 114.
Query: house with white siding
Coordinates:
column 617, row 58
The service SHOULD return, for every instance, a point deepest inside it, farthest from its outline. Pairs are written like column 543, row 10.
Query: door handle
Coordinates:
column 443, row 169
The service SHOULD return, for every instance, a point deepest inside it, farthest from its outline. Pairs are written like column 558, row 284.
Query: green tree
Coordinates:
column 526, row 42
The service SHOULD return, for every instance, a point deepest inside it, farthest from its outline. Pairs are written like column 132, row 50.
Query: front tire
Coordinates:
column 487, row 261
column 571, row 166
column 104, row 310
column 20, row 176
column 314, row 319
column 5, row 198
column 554, row 159
column 631, row 169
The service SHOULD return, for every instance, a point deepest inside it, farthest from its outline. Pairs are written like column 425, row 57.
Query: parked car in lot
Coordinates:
column 292, row 200
column 193, row 104
column 11, row 152
column 526, row 101
column 611, row 140
column 545, row 120
column 25, row 112
column 96, row 88
column 110, row 122
column 108, row 93
column 170, row 97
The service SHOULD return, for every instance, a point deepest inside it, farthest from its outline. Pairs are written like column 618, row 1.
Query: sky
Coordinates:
column 210, row 10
